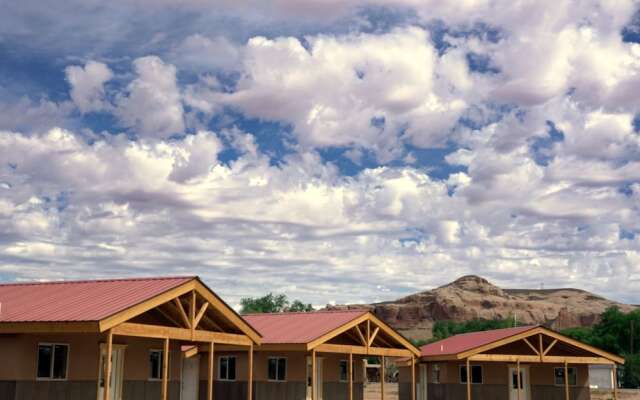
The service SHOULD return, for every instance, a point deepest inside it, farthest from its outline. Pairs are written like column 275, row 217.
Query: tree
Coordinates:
column 271, row 303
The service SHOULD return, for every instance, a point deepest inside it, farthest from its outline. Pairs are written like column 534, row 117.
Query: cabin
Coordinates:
column 522, row 363
column 127, row 339
column 315, row 355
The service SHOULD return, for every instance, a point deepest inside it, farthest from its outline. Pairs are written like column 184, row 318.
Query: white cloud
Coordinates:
column 152, row 105
column 87, row 85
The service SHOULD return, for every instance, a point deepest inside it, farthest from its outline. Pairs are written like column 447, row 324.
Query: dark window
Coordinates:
column 227, row 369
column 52, row 361
column 476, row 374
column 155, row 364
column 435, row 373
column 559, row 376
column 344, row 371
column 277, row 369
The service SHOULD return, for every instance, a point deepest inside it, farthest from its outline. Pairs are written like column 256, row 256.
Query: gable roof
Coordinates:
column 299, row 328
column 78, row 301
column 469, row 341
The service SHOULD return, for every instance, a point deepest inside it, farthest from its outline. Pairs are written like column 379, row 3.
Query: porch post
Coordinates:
column 382, row 378
column 165, row 368
column 350, row 372
column 413, row 378
column 566, row 380
column 250, row 379
column 210, row 372
column 313, row 375
column 518, row 382
column 615, row 381
column 107, row 371
column 468, row 380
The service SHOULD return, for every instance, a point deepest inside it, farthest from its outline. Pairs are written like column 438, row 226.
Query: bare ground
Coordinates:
column 372, row 391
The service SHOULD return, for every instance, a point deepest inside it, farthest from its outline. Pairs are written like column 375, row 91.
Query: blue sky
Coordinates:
column 337, row 152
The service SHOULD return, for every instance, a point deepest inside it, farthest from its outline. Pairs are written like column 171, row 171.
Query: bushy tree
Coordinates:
column 271, row 303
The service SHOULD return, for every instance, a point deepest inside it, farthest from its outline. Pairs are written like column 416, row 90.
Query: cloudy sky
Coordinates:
column 336, row 151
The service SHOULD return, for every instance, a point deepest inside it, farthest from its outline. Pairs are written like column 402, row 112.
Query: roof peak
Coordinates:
column 131, row 279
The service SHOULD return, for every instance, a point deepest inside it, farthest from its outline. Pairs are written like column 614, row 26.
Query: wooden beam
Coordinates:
column 182, row 312
column 162, row 332
column 210, row 371
column 190, row 352
column 360, row 335
column 192, row 313
column 518, row 379
column 200, row 314
column 381, row 377
column 535, row 351
column 540, row 347
column 350, row 372
column 168, row 316
column 49, row 327
column 535, row 359
column 413, row 378
column 368, row 332
column 566, row 380
column 165, row 370
column 468, row 379
column 107, row 368
column 373, row 336
column 314, row 376
column 250, row 374
column 550, row 347
column 374, row 351
column 140, row 308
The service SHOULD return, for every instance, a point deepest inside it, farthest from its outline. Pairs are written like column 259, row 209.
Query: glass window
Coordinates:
column 476, row 374
column 344, row 371
column 155, row 364
column 277, row 369
column 52, row 361
column 227, row 368
column 559, row 376
column 435, row 373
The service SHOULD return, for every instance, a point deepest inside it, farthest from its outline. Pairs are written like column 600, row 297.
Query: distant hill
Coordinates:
column 472, row 297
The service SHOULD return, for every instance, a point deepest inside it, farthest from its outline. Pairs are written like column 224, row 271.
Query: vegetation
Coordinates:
column 617, row 333
column 272, row 304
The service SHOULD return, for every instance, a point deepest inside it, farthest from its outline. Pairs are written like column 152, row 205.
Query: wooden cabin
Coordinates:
column 523, row 363
column 129, row 339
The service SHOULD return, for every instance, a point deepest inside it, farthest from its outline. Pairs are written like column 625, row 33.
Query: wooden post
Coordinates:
column 540, row 347
column 615, row 382
column 210, row 372
column 107, row 368
column 192, row 314
column 250, row 374
column 468, row 380
column 413, row 378
column 566, row 380
column 350, row 372
column 518, row 382
column 313, row 376
column 382, row 378
column 165, row 369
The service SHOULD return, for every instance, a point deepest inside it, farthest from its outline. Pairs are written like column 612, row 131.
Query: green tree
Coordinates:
column 271, row 303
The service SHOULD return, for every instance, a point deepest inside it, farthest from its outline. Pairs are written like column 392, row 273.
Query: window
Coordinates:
column 559, row 376
column 52, row 361
column 227, row 368
column 435, row 373
column 277, row 369
column 476, row 374
column 344, row 371
column 155, row 364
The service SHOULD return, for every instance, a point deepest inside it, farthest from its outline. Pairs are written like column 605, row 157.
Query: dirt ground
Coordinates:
column 623, row 394
column 372, row 391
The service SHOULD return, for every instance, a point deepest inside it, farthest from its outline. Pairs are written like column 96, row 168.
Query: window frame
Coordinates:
column 286, row 366
column 66, row 369
column 161, row 351
column 435, row 371
column 460, row 367
column 555, row 383
column 235, row 370
column 353, row 371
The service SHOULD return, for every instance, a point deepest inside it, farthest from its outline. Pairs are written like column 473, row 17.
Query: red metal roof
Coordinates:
column 69, row 301
column 468, row 341
column 299, row 328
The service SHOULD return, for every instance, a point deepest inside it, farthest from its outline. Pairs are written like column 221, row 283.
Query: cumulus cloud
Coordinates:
column 152, row 105
column 87, row 85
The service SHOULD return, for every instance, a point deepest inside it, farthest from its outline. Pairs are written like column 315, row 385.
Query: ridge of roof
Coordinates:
column 79, row 281
column 524, row 328
column 362, row 311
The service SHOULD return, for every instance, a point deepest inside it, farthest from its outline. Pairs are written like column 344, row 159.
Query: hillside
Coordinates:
column 473, row 297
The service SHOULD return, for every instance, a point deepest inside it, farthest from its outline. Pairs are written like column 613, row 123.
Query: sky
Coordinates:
column 336, row 151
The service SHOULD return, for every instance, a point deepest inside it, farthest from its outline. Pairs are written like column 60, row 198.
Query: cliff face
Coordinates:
column 472, row 297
